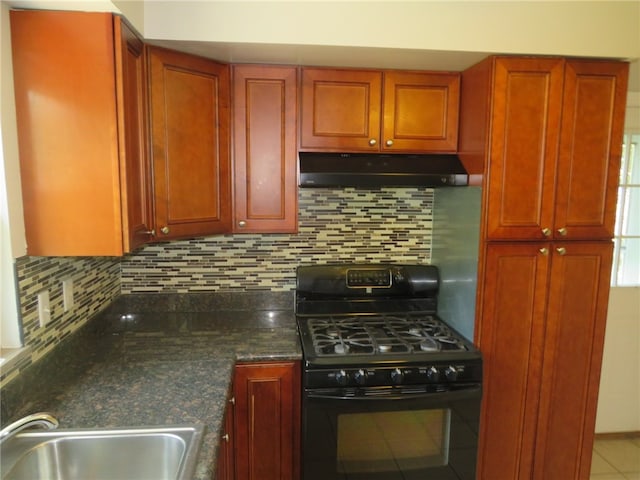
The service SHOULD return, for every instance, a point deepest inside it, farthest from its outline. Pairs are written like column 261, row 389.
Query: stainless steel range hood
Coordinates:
column 319, row 169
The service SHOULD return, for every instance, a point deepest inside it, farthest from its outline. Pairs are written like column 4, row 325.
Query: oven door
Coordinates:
column 390, row 433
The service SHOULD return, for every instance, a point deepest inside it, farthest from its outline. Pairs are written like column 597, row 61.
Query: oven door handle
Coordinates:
column 459, row 394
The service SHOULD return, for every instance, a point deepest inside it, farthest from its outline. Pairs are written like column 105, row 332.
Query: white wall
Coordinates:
column 619, row 399
column 12, row 235
column 601, row 28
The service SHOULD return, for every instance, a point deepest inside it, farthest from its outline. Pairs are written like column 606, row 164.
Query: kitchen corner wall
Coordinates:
column 96, row 282
column 335, row 225
column 386, row 224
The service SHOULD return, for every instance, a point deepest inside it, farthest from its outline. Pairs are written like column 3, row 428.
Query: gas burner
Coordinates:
column 428, row 344
column 341, row 348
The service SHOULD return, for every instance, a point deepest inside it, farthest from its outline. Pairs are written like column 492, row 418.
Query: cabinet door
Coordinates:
column 267, row 421
column 526, row 111
column 225, row 469
column 590, row 149
column 340, row 110
column 510, row 335
column 420, row 112
column 65, row 84
column 135, row 170
column 574, row 340
column 190, row 144
column 265, row 149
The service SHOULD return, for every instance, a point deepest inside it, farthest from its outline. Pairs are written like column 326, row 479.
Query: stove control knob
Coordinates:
column 433, row 375
column 360, row 376
column 397, row 375
column 451, row 373
column 341, row 377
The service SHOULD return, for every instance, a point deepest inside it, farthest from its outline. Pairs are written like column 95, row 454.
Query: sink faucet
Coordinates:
column 42, row 419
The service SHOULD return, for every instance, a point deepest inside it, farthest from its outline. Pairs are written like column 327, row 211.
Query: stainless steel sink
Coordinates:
column 101, row 454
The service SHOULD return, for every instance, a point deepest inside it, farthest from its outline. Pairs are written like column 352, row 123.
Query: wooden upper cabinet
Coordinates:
column 372, row 111
column 340, row 109
column 590, row 149
column 189, row 114
column 555, row 145
column 420, row 112
column 79, row 90
column 136, row 172
column 265, row 149
column 525, row 120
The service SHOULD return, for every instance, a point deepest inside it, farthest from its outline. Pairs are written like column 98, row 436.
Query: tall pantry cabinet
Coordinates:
column 544, row 135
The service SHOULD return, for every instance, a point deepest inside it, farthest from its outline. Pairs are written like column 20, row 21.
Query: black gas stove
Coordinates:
column 389, row 389
column 378, row 316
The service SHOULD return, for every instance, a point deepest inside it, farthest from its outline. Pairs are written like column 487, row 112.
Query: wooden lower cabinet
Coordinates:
column 267, row 421
column 225, row 469
column 541, row 332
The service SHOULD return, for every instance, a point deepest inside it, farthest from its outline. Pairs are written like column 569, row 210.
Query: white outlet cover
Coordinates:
column 67, row 294
column 44, row 309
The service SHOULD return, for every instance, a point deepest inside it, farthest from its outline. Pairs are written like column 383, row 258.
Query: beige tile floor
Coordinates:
column 616, row 459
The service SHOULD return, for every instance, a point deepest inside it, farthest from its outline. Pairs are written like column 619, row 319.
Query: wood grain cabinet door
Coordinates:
column 267, row 421
column 340, row 110
column 265, row 149
column 225, row 469
column 574, row 341
column 135, row 167
column 79, row 91
column 420, row 112
column 190, row 144
column 590, row 149
column 510, row 335
column 526, row 113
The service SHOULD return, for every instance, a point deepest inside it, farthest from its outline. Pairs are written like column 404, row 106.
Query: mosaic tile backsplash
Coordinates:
column 386, row 224
column 335, row 225
column 96, row 282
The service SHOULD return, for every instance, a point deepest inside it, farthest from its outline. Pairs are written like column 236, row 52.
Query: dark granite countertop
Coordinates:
column 157, row 360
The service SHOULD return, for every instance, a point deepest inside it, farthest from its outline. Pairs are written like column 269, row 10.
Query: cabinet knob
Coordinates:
column 225, row 437
column 389, row 143
column 546, row 232
column 562, row 231
column 372, row 142
column 242, row 224
column 544, row 251
column 165, row 230
column 232, row 400
column 561, row 250
column 148, row 232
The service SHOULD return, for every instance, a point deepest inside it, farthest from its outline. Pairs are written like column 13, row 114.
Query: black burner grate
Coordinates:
column 381, row 334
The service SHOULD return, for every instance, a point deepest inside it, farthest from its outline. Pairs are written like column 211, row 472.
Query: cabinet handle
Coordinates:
column 372, row 142
column 389, row 143
column 225, row 437
column 242, row 224
column 561, row 250
column 546, row 232
column 562, row 231
column 165, row 230
column 544, row 251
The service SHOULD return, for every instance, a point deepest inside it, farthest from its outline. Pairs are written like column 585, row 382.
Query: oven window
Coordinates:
column 377, row 442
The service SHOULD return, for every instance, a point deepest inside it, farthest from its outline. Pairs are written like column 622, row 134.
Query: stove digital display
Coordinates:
column 368, row 278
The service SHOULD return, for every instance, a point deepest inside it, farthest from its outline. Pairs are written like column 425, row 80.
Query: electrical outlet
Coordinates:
column 67, row 294
column 44, row 309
